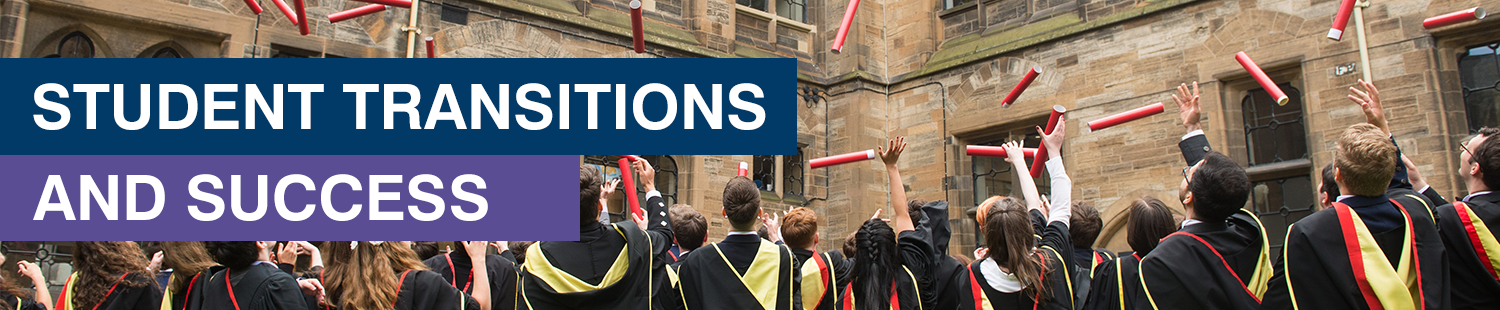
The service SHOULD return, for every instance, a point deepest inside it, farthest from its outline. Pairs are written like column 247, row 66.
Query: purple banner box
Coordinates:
column 525, row 197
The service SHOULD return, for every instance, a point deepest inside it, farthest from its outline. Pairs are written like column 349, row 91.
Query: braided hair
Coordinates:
column 875, row 264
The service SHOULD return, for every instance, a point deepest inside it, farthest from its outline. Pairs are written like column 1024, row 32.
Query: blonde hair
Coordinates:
column 1367, row 159
column 366, row 277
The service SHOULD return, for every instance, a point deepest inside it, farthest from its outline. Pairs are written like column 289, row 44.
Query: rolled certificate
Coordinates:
column 254, row 6
column 395, row 3
column 744, row 169
column 1341, row 19
column 287, row 10
column 301, row 16
column 838, row 39
column 1041, row 152
column 1138, row 113
column 1260, row 77
column 637, row 27
column 356, row 12
column 841, row 159
column 627, row 177
column 995, row 151
column 1021, row 87
column 431, row 48
column 1453, row 18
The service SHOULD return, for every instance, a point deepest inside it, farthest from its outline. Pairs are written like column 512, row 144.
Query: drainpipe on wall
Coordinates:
column 412, row 31
column 1359, row 31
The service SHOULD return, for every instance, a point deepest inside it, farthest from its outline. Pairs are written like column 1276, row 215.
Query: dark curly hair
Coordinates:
column 100, row 265
column 233, row 254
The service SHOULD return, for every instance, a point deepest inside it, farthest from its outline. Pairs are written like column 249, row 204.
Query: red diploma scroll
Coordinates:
column 355, row 12
column 302, row 16
column 995, row 151
column 627, row 177
column 254, row 6
column 841, row 159
column 1138, row 113
column 838, row 40
column 744, row 169
column 431, row 48
column 1021, row 87
column 1041, row 151
column 1260, row 76
column 1341, row 19
column 637, row 27
column 395, row 3
column 285, row 9
column 1453, row 18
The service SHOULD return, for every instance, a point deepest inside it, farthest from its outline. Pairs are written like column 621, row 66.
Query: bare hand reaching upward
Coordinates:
column 1187, row 106
column 1013, row 152
column 1054, row 141
column 891, row 154
column 646, row 174
column 1369, row 102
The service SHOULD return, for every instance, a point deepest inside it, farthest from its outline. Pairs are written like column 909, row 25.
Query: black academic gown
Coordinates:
column 1057, row 273
column 121, row 297
column 1115, row 284
column 11, row 301
column 502, row 275
column 916, row 260
column 946, row 275
column 1317, row 270
column 742, row 272
column 1208, row 265
column 260, row 286
column 1474, row 285
column 571, row 274
column 1088, row 262
column 820, row 274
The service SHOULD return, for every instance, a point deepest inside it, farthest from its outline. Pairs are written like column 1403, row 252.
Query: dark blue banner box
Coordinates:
column 333, row 112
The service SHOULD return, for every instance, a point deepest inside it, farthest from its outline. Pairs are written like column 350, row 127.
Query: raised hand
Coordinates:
column 609, row 187
column 1187, row 105
column 1412, row 174
column 892, row 153
column 155, row 264
column 645, row 174
column 1054, row 141
column 1013, row 152
column 1369, row 102
column 773, row 225
column 30, row 270
column 286, row 253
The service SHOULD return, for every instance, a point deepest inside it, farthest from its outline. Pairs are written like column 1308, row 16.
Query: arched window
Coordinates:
column 166, row 52
column 666, row 180
column 1282, row 189
column 74, row 45
column 792, row 175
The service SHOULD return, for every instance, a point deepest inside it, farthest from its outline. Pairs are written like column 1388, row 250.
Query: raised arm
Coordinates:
column 1028, row 186
column 1061, row 203
column 1194, row 145
column 481, row 279
column 890, row 155
column 1369, row 103
column 38, row 281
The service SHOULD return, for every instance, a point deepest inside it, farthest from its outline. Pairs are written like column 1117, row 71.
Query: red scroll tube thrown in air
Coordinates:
column 287, row 10
column 254, row 6
column 431, row 48
column 637, row 27
column 838, row 40
column 627, row 176
column 1453, row 18
column 1138, row 113
column 1021, row 87
column 995, row 151
column 301, row 16
column 1341, row 19
column 356, row 12
column 395, row 3
column 744, row 169
column 841, row 159
column 1260, row 77
column 1041, row 152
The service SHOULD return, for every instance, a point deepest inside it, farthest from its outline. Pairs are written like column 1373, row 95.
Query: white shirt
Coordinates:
column 1466, row 198
column 1002, row 281
column 1190, row 222
column 1062, row 192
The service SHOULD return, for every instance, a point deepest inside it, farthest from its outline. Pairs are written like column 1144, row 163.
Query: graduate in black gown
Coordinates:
column 614, row 266
column 1372, row 249
column 15, row 298
column 1220, row 259
column 1025, row 266
column 889, row 259
column 245, row 279
column 1116, row 283
column 1083, row 228
column 189, row 262
column 1469, row 226
column 945, row 274
column 456, row 267
column 820, row 272
column 690, row 232
column 743, row 271
column 386, row 275
column 109, row 275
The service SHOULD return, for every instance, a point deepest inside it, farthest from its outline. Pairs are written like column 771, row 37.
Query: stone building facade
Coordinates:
column 931, row 70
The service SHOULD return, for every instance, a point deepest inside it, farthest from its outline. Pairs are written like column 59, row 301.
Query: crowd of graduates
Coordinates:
column 1383, row 239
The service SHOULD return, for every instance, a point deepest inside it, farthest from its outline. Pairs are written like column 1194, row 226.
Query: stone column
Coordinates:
column 12, row 27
